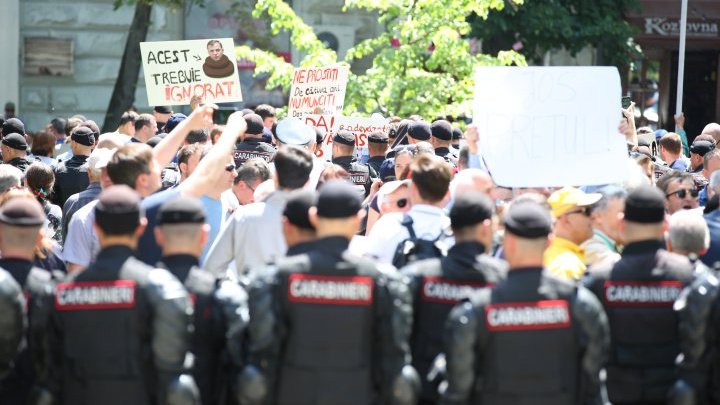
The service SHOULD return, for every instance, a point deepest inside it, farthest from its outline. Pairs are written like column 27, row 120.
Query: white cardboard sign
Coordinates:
column 361, row 127
column 175, row 71
column 550, row 126
column 318, row 90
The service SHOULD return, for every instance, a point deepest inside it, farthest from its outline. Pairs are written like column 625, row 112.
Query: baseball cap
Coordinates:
column 567, row 198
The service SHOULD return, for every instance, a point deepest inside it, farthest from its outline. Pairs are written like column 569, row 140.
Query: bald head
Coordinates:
column 472, row 180
column 712, row 129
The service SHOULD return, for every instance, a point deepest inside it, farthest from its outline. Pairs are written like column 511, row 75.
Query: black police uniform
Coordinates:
column 360, row 175
column 252, row 148
column 220, row 319
column 120, row 334
column 437, row 285
column 375, row 162
column 445, row 153
column 70, row 177
column 21, row 163
column 329, row 328
column 638, row 293
column 29, row 366
column 12, row 322
column 533, row 339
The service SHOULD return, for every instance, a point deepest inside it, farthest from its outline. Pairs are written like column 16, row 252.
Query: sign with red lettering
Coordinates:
column 361, row 127
column 175, row 71
column 318, row 90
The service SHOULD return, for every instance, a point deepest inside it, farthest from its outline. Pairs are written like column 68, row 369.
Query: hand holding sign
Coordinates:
column 202, row 117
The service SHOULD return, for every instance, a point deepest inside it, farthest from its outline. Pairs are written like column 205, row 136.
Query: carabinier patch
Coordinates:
column 446, row 291
column 518, row 316
column 240, row 156
column 359, row 178
column 642, row 293
column 116, row 294
column 330, row 290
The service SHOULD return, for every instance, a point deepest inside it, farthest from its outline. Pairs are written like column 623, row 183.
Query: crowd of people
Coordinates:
column 178, row 260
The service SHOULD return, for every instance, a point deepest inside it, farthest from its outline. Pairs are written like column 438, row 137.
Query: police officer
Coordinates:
column 14, row 151
column 253, row 146
column 120, row 330
column 439, row 284
column 21, row 220
column 638, row 293
column 12, row 322
column 71, row 175
column 442, row 134
column 533, row 338
column 327, row 327
column 343, row 154
column 220, row 306
column 457, row 135
column 377, row 148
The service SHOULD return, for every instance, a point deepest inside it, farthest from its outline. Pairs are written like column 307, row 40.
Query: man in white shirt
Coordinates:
column 254, row 235
column 429, row 194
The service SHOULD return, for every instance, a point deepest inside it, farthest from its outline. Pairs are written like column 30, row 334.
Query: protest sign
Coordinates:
column 361, row 127
column 175, row 71
column 318, row 90
column 550, row 126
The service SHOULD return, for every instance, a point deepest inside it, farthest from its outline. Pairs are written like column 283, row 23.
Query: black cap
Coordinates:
column 297, row 207
column 419, row 130
column 442, row 130
column 181, row 210
column 470, row 209
column 118, row 210
column 344, row 137
column 377, row 137
column 645, row 205
column 254, row 124
column 162, row 109
column 402, row 128
column 456, row 133
column 701, row 147
column 22, row 212
column 15, row 141
column 92, row 125
column 338, row 199
column 528, row 219
column 173, row 121
column 13, row 125
column 83, row 136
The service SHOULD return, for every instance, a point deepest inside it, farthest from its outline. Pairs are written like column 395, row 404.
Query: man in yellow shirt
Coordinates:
column 573, row 226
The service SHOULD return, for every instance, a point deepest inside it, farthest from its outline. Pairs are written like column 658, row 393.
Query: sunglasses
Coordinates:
column 683, row 192
column 230, row 167
column 584, row 211
column 401, row 203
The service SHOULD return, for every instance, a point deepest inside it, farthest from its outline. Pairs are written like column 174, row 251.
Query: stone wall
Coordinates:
column 98, row 33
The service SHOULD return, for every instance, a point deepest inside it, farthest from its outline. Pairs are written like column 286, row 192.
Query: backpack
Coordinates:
column 413, row 249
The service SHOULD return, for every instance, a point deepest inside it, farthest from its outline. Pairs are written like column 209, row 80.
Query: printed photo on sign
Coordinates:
column 550, row 126
column 318, row 90
column 175, row 71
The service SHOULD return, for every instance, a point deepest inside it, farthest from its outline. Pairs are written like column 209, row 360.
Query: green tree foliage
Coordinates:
column 543, row 25
column 421, row 63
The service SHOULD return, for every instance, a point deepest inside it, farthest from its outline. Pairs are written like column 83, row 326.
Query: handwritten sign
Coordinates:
column 550, row 126
column 361, row 127
column 319, row 90
column 175, row 71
